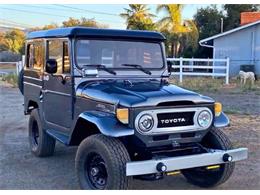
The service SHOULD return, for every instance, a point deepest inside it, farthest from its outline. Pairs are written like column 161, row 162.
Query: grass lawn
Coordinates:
column 10, row 79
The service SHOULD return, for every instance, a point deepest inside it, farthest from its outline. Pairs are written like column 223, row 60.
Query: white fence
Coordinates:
column 18, row 67
column 200, row 67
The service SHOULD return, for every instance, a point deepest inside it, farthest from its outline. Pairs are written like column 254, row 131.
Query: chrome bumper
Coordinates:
column 214, row 157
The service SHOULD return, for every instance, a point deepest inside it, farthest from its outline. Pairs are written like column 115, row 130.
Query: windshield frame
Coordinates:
column 160, row 43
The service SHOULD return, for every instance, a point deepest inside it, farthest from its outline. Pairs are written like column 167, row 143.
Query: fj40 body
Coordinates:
column 106, row 91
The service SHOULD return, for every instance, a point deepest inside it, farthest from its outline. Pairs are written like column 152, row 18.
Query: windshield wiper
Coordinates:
column 139, row 67
column 101, row 67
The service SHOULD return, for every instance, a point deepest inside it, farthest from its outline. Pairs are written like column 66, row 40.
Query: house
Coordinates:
column 241, row 45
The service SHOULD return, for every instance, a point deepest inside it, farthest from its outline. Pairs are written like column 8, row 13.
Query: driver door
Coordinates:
column 57, row 87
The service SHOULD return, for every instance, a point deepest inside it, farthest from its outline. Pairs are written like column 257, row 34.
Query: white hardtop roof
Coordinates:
column 229, row 32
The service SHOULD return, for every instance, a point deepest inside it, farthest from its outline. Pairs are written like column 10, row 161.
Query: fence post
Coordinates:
column 23, row 60
column 17, row 67
column 227, row 71
column 192, row 63
column 181, row 63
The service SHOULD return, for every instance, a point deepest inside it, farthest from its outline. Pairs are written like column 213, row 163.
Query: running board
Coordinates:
column 58, row 136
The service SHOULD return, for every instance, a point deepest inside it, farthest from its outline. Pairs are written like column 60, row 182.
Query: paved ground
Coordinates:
column 19, row 169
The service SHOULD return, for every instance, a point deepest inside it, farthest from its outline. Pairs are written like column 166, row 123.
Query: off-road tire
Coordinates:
column 115, row 156
column 202, row 177
column 20, row 81
column 46, row 144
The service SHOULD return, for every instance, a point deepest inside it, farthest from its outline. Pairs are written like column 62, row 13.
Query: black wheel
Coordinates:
column 101, row 163
column 204, row 177
column 20, row 80
column 41, row 143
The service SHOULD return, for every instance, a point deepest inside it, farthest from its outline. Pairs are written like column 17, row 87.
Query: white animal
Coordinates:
column 246, row 75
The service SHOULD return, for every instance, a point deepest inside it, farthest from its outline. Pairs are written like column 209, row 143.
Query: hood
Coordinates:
column 137, row 93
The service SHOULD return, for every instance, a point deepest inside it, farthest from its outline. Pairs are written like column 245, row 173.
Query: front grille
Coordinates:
column 170, row 120
column 175, row 119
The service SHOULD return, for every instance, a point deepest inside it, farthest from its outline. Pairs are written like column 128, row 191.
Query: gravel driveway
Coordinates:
column 19, row 169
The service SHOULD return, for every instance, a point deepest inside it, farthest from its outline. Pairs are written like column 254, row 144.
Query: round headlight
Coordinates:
column 146, row 123
column 204, row 118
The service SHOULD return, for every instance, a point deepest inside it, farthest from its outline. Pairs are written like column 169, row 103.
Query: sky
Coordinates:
column 31, row 15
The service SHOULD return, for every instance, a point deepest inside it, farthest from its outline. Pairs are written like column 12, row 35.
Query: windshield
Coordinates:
column 114, row 54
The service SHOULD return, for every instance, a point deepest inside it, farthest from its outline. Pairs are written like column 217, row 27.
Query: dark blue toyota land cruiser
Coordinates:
column 107, row 91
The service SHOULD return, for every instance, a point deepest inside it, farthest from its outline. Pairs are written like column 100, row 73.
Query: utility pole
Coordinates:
column 221, row 27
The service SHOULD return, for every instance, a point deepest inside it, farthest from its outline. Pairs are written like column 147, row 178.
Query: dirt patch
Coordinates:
column 238, row 103
column 19, row 169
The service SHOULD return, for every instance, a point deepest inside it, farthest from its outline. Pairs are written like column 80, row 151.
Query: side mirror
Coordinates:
column 51, row 66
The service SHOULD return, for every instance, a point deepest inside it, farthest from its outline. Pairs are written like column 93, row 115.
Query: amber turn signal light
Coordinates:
column 218, row 108
column 122, row 115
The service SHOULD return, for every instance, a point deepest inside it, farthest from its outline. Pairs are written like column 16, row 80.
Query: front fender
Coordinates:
column 107, row 123
column 221, row 121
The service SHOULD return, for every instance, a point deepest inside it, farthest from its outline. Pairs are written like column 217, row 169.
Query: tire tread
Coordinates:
column 47, row 143
column 225, row 144
column 117, row 154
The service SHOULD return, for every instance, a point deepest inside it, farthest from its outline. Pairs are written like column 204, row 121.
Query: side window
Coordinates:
column 35, row 55
column 30, row 56
column 66, row 58
column 58, row 50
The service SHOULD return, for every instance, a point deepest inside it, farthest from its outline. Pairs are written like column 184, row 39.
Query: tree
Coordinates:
column 138, row 17
column 71, row 22
column 14, row 41
column 176, row 30
column 189, row 41
column 232, row 19
column 92, row 23
column 208, row 22
column 46, row 27
column 2, row 42
column 83, row 22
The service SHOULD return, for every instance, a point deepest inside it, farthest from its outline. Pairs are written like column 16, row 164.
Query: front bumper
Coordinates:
column 213, row 157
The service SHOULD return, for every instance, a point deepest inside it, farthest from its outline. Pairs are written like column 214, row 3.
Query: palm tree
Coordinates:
column 175, row 29
column 138, row 17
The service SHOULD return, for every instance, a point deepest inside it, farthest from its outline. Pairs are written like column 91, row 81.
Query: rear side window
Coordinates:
column 66, row 58
column 58, row 50
column 35, row 57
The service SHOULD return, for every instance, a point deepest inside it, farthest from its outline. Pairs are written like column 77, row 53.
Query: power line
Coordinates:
column 72, row 9
column 17, row 23
column 86, row 10
column 11, row 27
column 32, row 12
column 48, row 8
column 43, row 13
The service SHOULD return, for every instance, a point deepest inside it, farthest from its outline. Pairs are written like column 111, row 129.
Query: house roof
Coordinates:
column 228, row 32
column 96, row 33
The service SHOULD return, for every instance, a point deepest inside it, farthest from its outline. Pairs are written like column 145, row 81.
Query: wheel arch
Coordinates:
column 94, row 122
column 82, row 130
column 31, row 105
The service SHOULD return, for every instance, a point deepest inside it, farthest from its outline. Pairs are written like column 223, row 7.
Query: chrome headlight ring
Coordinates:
column 145, row 123
column 204, row 118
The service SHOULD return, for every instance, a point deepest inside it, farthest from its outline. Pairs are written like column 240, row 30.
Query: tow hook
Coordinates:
column 227, row 158
column 161, row 167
